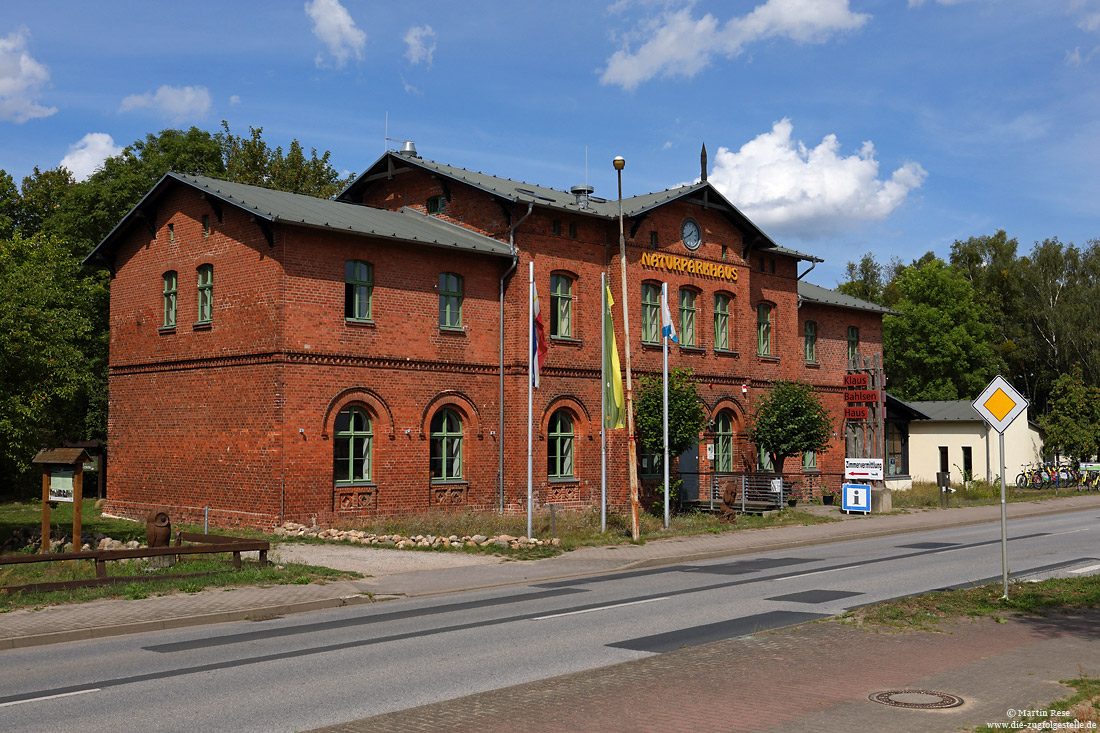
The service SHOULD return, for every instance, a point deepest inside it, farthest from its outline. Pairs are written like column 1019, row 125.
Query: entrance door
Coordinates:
column 689, row 474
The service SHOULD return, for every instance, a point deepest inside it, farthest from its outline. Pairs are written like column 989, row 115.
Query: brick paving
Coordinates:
column 815, row 677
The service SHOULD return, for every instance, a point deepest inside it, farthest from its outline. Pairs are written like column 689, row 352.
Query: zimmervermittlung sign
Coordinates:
column 868, row 469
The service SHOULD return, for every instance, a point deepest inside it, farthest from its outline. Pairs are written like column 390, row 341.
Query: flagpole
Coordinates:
column 603, row 404
column 631, row 443
column 664, row 397
column 530, row 387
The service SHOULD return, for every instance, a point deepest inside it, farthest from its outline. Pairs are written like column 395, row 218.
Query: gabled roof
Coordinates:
column 817, row 294
column 908, row 410
column 703, row 193
column 280, row 207
column 948, row 410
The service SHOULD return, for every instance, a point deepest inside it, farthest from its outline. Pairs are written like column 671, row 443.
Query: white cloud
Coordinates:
column 678, row 44
column 87, row 155
column 21, row 80
column 234, row 100
column 174, row 103
column 333, row 25
column 791, row 190
column 421, row 42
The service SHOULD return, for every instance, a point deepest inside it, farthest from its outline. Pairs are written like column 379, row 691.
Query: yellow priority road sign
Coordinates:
column 1000, row 404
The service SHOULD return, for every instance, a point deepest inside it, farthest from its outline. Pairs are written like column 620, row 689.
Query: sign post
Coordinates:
column 999, row 404
column 62, row 481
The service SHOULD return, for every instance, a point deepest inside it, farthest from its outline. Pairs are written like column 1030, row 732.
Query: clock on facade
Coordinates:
column 690, row 234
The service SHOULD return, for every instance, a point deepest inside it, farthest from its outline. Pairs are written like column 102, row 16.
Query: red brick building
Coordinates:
column 280, row 357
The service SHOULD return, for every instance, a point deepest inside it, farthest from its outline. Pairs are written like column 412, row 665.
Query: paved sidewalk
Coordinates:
column 113, row 617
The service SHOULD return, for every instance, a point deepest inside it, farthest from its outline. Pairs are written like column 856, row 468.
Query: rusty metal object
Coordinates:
column 158, row 529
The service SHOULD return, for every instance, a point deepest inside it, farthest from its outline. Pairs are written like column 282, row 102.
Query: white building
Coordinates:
column 956, row 439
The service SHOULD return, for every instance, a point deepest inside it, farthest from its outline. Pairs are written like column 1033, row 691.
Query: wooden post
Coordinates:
column 45, row 508
column 78, row 502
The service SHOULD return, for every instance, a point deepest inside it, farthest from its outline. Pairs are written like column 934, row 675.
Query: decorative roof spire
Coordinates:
column 703, row 164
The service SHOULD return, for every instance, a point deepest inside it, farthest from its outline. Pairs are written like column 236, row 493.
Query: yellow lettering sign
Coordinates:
column 672, row 263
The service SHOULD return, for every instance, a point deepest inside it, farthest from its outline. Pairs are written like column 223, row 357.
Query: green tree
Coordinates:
column 939, row 348
column 48, row 347
column 1072, row 426
column 790, row 420
column 686, row 415
column 251, row 160
column 865, row 279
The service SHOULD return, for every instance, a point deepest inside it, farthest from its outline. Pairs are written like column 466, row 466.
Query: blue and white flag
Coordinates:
column 667, row 329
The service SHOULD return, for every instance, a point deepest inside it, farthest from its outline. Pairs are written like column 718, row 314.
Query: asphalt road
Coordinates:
column 333, row 666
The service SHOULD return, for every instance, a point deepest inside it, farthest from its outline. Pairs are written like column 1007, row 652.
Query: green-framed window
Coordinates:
column 206, row 293
column 765, row 459
column 810, row 340
column 651, row 312
column 358, row 290
column 649, row 461
column 687, row 317
column 352, row 447
column 723, row 442
column 764, row 329
column 853, row 342
column 809, row 461
column 446, row 446
column 559, row 446
column 721, row 322
column 561, row 306
column 436, row 205
column 450, row 300
column 171, row 283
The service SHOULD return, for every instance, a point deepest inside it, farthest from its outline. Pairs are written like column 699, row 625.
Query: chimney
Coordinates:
column 582, row 193
column 703, row 164
column 408, row 148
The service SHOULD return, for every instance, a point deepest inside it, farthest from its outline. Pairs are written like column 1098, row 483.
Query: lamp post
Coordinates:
column 632, row 448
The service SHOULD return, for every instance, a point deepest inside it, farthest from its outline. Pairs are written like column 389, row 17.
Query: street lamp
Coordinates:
column 632, row 448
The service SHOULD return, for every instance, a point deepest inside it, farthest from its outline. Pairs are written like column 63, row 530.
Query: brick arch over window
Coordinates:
column 364, row 397
column 460, row 403
column 581, row 417
column 729, row 404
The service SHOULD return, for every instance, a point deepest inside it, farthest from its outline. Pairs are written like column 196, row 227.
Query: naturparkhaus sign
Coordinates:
column 673, row 263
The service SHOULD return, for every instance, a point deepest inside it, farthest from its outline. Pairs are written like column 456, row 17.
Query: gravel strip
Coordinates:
column 376, row 562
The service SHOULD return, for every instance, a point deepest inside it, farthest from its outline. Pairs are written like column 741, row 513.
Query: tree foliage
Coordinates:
column 790, row 420
column 1072, row 426
column 686, row 415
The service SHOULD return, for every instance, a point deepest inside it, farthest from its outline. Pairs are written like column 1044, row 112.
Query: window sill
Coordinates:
column 355, row 485
column 166, row 329
column 726, row 352
column 453, row 330
column 203, row 326
column 765, row 357
column 449, row 482
column 567, row 341
column 693, row 349
column 360, row 323
column 813, row 365
column 566, row 480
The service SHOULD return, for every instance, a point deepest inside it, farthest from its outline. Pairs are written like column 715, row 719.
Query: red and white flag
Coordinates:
column 538, row 337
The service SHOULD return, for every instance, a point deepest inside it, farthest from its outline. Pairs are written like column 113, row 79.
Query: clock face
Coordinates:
column 689, row 233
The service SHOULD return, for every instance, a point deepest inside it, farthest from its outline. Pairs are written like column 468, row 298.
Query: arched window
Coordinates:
column 810, row 335
column 764, row 329
column 561, row 306
column 446, row 448
column 559, row 447
column 687, row 317
column 721, row 322
column 723, row 442
column 352, row 447
column 206, row 293
column 358, row 290
column 450, row 300
column 170, row 289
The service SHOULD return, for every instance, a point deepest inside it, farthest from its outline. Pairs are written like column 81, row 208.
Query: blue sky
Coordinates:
column 839, row 126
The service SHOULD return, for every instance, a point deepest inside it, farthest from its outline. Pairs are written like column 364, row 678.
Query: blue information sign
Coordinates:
column 856, row 498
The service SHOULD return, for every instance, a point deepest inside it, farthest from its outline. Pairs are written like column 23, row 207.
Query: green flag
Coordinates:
column 613, row 375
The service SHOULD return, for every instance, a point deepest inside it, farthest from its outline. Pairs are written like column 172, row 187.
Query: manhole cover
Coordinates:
column 917, row 699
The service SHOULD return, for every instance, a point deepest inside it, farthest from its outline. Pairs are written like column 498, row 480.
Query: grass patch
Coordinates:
column 927, row 495
column 927, row 610
column 1083, row 707
column 217, row 573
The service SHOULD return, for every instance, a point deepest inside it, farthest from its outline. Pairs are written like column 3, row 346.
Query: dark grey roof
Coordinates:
column 280, row 207
column 817, row 294
column 900, row 408
column 950, row 410
column 521, row 192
